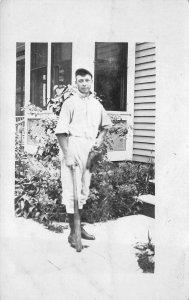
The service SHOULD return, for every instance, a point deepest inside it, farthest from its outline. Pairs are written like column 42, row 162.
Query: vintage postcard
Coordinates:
column 94, row 150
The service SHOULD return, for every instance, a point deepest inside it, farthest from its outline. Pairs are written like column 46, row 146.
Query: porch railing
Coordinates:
column 31, row 123
column 20, row 127
column 19, row 118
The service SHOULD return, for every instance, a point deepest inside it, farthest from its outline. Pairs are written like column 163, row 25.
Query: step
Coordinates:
column 152, row 181
column 148, row 205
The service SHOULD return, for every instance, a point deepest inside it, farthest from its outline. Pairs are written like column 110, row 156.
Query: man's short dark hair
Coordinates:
column 83, row 72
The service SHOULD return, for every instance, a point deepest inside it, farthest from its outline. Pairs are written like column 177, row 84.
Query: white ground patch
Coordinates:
column 40, row 264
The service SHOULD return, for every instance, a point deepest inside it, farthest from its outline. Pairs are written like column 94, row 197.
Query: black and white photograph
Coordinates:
column 94, row 150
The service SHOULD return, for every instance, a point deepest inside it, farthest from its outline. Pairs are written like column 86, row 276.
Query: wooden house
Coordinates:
column 124, row 76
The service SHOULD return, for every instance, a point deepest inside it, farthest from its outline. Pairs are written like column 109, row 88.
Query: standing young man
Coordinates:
column 83, row 123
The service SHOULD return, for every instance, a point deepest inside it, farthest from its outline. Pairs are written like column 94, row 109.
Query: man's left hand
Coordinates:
column 93, row 157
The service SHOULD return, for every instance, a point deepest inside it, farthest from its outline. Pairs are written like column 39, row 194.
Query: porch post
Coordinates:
column 130, row 97
column 49, row 73
column 27, row 87
column 27, row 72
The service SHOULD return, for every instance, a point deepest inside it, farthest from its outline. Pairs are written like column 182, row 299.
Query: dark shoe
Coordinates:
column 85, row 235
column 71, row 240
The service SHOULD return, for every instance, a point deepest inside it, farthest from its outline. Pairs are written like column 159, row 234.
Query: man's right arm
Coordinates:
column 62, row 132
column 63, row 142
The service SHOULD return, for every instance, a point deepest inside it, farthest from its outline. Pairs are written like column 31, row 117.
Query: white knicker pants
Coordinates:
column 79, row 147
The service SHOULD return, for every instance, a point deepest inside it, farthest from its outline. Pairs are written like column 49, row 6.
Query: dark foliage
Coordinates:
column 114, row 190
column 114, row 186
column 145, row 255
column 37, row 188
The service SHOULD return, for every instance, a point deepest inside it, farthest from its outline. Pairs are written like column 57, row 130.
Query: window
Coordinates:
column 20, row 77
column 110, row 80
column 61, row 64
column 38, row 87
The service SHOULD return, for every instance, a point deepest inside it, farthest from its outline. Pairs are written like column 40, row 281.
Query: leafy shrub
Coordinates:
column 37, row 187
column 114, row 190
column 145, row 255
column 114, row 186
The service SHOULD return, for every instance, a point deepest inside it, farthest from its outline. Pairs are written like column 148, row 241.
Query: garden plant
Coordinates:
column 145, row 255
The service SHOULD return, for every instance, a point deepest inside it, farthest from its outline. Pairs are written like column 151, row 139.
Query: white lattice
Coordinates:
column 20, row 127
column 35, row 131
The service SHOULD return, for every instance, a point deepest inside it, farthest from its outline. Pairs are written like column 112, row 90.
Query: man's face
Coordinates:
column 84, row 83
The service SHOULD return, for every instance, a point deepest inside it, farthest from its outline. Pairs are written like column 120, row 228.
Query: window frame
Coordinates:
column 124, row 62
column 39, row 68
column 83, row 54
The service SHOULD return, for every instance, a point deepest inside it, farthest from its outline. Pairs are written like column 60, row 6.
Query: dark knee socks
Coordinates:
column 71, row 220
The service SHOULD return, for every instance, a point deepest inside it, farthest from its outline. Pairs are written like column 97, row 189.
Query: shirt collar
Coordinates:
column 83, row 96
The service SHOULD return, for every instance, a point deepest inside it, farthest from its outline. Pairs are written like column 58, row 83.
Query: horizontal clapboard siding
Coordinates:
column 144, row 46
column 145, row 86
column 145, row 79
column 145, row 93
column 144, row 139
column 145, row 59
column 144, row 99
column 145, row 52
column 145, row 152
column 139, row 106
column 144, row 103
column 147, row 126
column 145, row 112
column 145, row 119
column 144, row 158
column 144, row 73
column 143, row 132
column 146, row 66
column 144, row 146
